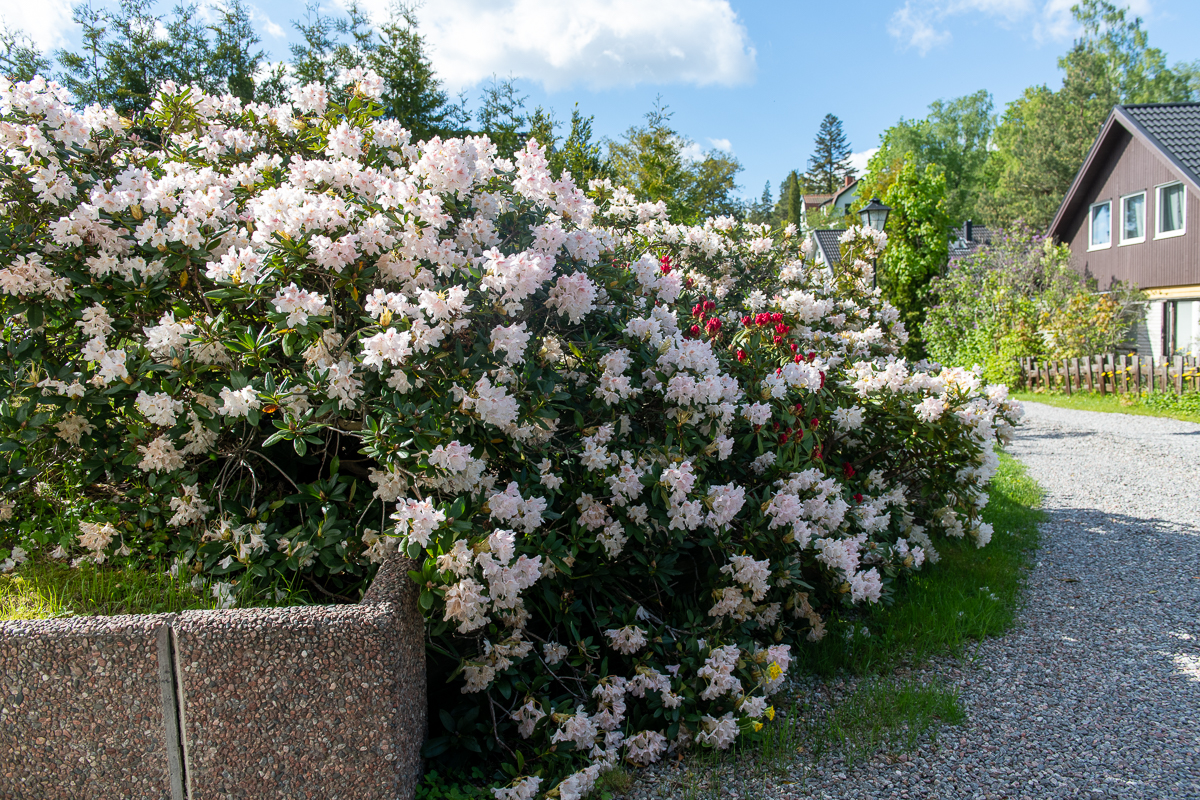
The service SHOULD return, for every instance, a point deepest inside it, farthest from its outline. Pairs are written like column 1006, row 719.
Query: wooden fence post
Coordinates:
column 1100, row 370
column 1123, row 359
column 1067, row 371
column 1136, row 367
column 1178, row 374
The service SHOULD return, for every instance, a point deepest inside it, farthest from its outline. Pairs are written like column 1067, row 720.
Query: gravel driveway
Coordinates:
column 1096, row 694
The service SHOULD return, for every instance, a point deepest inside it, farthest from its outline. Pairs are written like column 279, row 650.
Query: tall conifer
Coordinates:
column 830, row 161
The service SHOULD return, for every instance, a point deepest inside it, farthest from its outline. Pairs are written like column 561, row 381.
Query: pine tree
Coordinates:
column 830, row 161
column 125, row 57
column 82, row 71
column 312, row 59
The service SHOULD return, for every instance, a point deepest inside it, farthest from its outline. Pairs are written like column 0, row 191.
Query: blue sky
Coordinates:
column 753, row 78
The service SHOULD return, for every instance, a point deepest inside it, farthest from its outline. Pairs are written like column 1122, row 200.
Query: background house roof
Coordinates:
column 848, row 187
column 969, row 238
column 1170, row 130
column 829, row 243
column 812, row 201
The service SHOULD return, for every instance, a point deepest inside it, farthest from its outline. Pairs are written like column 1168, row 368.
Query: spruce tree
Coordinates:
column 830, row 161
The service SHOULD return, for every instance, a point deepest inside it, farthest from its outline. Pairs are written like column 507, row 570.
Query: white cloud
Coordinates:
column 596, row 43
column 859, row 160
column 920, row 24
column 692, row 152
column 46, row 22
column 914, row 26
column 724, row 145
column 266, row 23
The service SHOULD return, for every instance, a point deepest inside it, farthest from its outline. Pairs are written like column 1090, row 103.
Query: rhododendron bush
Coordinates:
column 636, row 463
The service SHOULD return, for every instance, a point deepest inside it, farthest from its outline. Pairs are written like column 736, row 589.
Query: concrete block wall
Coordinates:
column 312, row 702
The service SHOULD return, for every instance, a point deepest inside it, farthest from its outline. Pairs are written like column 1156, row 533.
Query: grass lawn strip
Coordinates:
column 45, row 589
column 1182, row 407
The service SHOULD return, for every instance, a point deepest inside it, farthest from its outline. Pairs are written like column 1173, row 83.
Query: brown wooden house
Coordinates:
column 1133, row 215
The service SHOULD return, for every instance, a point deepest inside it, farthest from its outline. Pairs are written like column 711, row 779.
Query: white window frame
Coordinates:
column 1158, row 206
column 1125, row 199
column 1091, row 219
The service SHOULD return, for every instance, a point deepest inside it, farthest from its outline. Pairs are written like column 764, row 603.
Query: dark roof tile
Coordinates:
column 829, row 241
column 1176, row 126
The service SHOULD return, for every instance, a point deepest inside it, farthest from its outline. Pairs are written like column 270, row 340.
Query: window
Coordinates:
column 1133, row 218
column 1172, row 203
column 1100, row 227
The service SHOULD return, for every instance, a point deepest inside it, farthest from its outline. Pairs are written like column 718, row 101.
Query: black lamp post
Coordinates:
column 874, row 216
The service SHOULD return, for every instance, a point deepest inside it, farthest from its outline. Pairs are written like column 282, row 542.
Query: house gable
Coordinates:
column 1125, row 161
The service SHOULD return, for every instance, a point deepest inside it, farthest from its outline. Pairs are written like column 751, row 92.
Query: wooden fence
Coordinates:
column 1112, row 373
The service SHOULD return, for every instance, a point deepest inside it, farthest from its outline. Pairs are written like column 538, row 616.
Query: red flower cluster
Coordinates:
column 712, row 325
column 788, row 433
column 848, row 469
column 665, row 261
column 763, row 319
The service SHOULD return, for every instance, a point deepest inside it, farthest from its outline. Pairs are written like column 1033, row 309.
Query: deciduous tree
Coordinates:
column 917, row 243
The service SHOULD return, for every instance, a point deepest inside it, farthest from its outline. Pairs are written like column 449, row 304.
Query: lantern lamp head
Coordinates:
column 874, row 214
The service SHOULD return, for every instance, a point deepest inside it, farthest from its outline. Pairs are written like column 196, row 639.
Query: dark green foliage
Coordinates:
column 413, row 94
column 233, row 59
column 577, row 154
column 501, row 116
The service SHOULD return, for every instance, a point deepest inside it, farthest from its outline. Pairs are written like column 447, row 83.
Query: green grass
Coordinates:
column 881, row 714
column 884, row 714
column 1185, row 407
column 44, row 589
column 968, row 595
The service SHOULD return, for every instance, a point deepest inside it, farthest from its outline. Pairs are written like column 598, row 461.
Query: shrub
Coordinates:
column 1020, row 297
column 635, row 462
